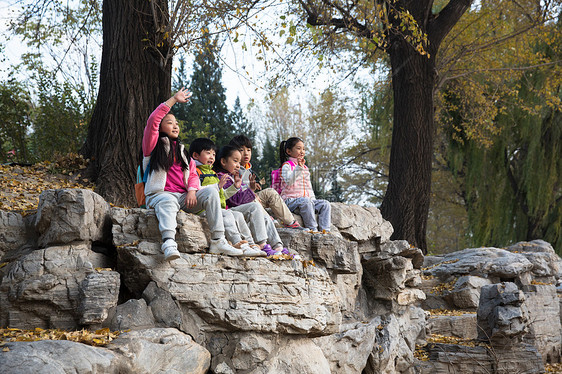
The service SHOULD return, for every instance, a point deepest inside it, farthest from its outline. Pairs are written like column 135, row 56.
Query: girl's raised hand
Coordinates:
column 223, row 180
column 183, row 95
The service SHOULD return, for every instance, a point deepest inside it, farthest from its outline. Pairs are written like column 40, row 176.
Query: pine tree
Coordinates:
column 208, row 103
column 240, row 123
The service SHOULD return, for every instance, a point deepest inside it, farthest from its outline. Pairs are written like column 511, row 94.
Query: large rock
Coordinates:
column 53, row 288
column 502, row 317
column 462, row 326
column 14, row 231
column 134, row 225
column 65, row 216
column 160, row 351
column 222, row 292
column 466, row 292
column 359, row 223
column 57, row 357
column 544, row 332
column 493, row 263
column 138, row 352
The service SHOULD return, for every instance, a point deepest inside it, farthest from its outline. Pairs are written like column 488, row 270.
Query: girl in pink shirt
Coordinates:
column 297, row 188
column 173, row 183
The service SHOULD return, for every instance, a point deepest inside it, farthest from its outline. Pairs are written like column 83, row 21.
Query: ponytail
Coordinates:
column 282, row 154
column 287, row 144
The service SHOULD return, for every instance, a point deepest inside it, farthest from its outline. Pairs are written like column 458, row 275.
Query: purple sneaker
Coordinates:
column 294, row 256
column 268, row 250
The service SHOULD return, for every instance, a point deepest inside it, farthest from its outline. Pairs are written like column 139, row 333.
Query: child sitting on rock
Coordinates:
column 203, row 150
column 268, row 198
column 297, row 188
column 228, row 164
column 173, row 183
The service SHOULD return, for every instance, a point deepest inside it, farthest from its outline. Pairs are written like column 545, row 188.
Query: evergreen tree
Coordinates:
column 208, row 103
column 240, row 123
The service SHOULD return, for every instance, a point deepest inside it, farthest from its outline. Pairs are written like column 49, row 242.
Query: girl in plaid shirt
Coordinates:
column 297, row 188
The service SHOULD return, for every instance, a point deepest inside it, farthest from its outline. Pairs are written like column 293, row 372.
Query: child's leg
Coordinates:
column 272, row 235
column 253, row 215
column 209, row 200
column 230, row 226
column 324, row 210
column 242, row 226
column 305, row 207
column 271, row 199
column 166, row 206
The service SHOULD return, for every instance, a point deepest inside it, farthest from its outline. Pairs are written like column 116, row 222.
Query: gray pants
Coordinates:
column 235, row 227
column 307, row 208
column 261, row 225
column 167, row 204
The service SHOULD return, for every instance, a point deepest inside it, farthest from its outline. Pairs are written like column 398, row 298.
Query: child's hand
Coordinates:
column 183, row 95
column 254, row 185
column 300, row 162
column 190, row 200
column 237, row 180
column 223, row 180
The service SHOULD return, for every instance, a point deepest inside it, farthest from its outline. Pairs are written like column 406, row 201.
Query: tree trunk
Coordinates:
column 407, row 198
column 133, row 81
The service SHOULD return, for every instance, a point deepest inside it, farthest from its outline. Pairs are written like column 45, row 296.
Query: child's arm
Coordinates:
column 226, row 181
column 193, row 185
column 150, row 136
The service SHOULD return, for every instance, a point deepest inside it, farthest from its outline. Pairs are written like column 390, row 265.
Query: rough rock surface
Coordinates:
column 350, row 306
column 131, row 353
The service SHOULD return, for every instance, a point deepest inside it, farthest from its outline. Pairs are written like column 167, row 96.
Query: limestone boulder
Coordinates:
column 69, row 215
column 359, row 223
column 135, row 225
column 466, row 292
column 132, row 315
column 336, row 254
column 57, row 357
column 57, row 287
column 243, row 294
column 546, row 263
column 502, row 316
column 544, row 333
column 159, row 350
column 490, row 263
column 14, row 231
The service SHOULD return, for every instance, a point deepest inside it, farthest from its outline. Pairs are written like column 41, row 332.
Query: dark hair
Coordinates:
column 287, row 144
column 241, row 141
column 160, row 159
column 201, row 144
column 224, row 153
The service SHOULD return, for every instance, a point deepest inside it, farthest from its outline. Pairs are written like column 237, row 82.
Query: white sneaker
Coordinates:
column 170, row 249
column 252, row 251
column 221, row 246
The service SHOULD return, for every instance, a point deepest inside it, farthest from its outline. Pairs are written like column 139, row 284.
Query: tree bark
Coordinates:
column 133, row 81
column 407, row 198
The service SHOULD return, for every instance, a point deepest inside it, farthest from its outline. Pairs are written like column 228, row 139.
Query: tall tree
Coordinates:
column 208, row 103
column 134, row 79
column 410, row 32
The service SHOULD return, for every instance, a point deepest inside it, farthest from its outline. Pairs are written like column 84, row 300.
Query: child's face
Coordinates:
column 169, row 126
column 232, row 163
column 206, row 157
column 246, row 155
column 297, row 151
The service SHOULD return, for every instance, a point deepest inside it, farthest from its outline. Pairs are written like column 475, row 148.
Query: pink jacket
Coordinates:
column 295, row 181
column 157, row 183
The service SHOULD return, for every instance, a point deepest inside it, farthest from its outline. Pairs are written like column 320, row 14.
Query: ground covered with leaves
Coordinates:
column 21, row 185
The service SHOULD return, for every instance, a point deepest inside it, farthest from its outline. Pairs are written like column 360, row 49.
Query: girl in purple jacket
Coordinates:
column 261, row 225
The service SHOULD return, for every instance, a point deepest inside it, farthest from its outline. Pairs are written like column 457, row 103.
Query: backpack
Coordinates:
column 139, row 186
column 276, row 177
